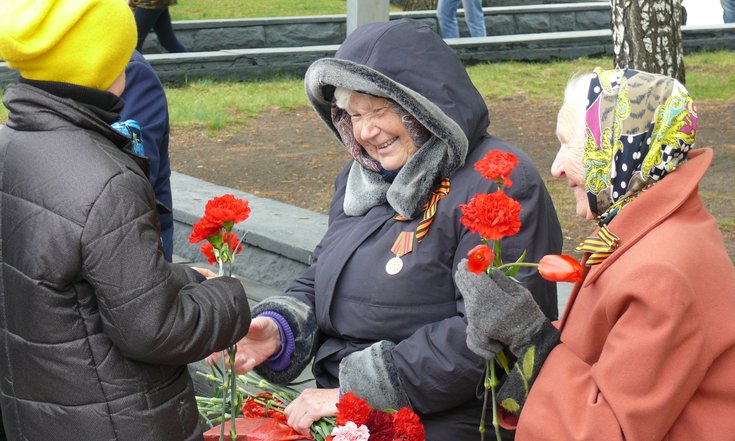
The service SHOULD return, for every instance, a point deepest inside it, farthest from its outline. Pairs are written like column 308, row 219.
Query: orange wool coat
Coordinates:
column 648, row 337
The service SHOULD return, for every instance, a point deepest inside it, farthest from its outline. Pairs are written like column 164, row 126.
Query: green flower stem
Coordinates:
column 514, row 264
column 231, row 351
column 510, row 265
column 493, row 383
column 487, row 383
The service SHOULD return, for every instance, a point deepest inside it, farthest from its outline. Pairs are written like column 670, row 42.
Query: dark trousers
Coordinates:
column 160, row 21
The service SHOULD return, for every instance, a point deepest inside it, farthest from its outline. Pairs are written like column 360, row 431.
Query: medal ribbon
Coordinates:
column 429, row 209
column 600, row 245
column 403, row 244
column 423, row 229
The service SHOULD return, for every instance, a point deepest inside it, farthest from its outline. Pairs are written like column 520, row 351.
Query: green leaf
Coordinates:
column 502, row 358
column 528, row 360
column 514, row 269
column 510, row 405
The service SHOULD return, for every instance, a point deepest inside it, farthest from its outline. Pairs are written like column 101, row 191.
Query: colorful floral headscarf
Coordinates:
column 639, row 127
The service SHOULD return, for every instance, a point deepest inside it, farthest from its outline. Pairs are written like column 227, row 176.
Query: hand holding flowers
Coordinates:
column 355, row 420
column 499, row 310
column 220, row 216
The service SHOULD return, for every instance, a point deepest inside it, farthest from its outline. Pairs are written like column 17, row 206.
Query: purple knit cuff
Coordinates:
column 281, row 360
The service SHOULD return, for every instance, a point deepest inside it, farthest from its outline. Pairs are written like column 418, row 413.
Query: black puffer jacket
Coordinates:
column 96, row 327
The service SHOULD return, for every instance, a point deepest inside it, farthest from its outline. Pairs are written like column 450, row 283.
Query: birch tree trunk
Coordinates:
column 647, row 36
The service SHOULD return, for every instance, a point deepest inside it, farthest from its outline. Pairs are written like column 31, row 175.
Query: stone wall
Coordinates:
column 247, row 64
column 211, row 35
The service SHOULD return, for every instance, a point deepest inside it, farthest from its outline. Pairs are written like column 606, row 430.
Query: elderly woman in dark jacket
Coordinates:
column 378, row 310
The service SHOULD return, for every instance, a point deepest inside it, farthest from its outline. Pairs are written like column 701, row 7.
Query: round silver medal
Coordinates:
column 394, row 266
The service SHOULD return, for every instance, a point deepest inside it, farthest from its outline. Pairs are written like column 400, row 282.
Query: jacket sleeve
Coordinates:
column 650, row 365
column 431, row 371
column 145, row 102
column 435, row 369
column 152, row 310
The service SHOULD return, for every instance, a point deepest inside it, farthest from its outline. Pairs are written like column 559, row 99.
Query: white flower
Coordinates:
column 350, row 432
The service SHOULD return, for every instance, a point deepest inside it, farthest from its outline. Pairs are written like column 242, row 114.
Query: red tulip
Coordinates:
column 560, row 268
column 479, row 258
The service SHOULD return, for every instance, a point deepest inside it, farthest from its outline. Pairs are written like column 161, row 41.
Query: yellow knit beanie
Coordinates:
column 84, row 42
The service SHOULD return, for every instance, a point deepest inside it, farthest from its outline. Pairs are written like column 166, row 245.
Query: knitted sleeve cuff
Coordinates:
column 281, row 360
column 301, row 322
column 372, row 375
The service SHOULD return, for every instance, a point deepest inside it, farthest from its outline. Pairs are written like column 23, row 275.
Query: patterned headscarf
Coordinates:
column 342, row 122
column 639, row 127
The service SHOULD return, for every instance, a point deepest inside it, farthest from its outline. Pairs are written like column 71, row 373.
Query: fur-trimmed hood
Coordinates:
column 407, row 62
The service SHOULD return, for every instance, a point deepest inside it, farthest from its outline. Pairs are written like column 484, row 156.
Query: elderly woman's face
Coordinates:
column 380, row 131
column 569, row 159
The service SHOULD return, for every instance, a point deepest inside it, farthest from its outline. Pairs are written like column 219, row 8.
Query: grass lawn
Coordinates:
column 215, row 105
column 206, row 9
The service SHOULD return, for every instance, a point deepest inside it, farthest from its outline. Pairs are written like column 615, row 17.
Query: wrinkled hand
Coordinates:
column 262, row 341
column 310, row 406
column 497, row 309
column 205, row 272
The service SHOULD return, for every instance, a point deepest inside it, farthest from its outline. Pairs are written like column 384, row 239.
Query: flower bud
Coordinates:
column 560, row 268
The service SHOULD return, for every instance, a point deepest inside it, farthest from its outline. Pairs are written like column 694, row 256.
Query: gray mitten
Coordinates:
column 499, row 308
column 512, row 395
column 505, row 311
column 482, row 345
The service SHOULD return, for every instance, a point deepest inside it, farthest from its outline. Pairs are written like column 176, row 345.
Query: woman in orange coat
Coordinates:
column 646, row 346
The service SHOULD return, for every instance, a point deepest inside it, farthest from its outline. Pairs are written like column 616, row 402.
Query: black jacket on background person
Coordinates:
column 96, row 327
column 400, row 340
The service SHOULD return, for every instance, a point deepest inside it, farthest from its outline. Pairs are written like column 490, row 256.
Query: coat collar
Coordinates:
column 651, row 208
column 641, row 216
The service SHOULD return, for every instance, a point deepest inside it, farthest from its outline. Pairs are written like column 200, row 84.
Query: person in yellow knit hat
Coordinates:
column 97, row 328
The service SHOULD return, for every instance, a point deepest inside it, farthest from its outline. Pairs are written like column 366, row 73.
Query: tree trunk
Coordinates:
column 647, row 36
column 420, row 5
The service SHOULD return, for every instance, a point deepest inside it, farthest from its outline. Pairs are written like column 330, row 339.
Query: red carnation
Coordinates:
column 352, row 408
column 254, row 409
column 226, row 208
column 208, row 249
column 203, row 229
column 380, row 425
column 479, row 258
column 493, row 216
column 408, row 426
column 497, row 166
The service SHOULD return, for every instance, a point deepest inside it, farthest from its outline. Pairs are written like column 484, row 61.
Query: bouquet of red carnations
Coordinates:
column 495, row 216
column 357, row 421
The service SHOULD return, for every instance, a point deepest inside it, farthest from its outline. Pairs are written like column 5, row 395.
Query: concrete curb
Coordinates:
column 279, row 238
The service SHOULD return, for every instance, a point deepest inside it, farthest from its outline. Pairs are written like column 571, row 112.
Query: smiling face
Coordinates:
column 568, row 162
column 380, row 131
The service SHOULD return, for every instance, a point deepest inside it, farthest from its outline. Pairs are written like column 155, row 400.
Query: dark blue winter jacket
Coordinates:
column 145, row 102
column 400, row 340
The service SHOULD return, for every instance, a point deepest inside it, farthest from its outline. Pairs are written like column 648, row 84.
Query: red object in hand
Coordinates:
column 479, row 258
column 494, row 216
column 208, row 249
column 497, row 166
column 560, row 268
column 257, row 429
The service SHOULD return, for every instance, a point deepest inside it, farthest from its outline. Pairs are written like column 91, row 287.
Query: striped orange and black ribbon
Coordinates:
column 599, row 245
column 429, row 209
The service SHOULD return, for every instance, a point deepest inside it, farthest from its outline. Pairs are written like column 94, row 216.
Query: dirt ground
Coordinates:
column 292, row 157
